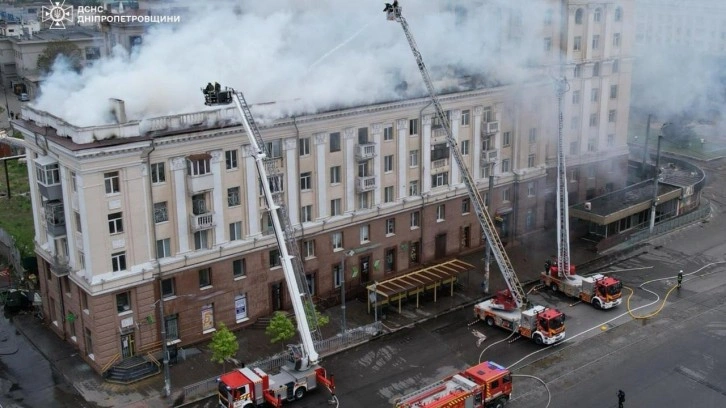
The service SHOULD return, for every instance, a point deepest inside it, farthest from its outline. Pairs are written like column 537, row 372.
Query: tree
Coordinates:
column 280, row 328
column 224, row 345
column 54, row 49
column 310, row 311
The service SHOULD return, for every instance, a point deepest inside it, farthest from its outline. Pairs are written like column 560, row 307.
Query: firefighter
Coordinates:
column 680, row 278
column 621, row 398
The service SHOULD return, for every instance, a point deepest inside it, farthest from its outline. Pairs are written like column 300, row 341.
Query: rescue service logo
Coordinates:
column 58, row 14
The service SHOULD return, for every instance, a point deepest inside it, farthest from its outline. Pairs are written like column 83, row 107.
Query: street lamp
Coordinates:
column 342, row 288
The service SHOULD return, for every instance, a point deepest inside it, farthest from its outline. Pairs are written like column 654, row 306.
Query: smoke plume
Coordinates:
column 306, row 56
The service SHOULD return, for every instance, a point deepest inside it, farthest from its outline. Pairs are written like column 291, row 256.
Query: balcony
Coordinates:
column 488, row 157
column 55, row 218
column 202, row 221
column 489, row 128
column 200, row 183
column 365, row 151
column 47, row 173
column 366, row 183
column 439, row 165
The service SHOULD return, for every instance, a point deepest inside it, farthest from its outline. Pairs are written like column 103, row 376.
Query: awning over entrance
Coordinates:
column 416, row 282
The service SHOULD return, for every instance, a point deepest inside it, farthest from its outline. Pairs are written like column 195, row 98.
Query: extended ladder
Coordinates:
column 563, row 219
column 490, row 232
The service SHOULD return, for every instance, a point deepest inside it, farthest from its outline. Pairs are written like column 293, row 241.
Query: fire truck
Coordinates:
column 484, row 385
column 252, row 387
column 510, row 309
column 603, row 292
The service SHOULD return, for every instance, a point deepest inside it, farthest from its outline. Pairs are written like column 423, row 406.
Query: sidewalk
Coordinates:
column 527, row 256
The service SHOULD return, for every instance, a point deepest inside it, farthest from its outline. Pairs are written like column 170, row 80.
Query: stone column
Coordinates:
column 321, row 140
column 289, row 146
column 178, row 168
column 426, row 154
column 401, row 136
column 477, row 142
column 351, row 140
column 377, row 130
column 219, row 197
column 252, row 191
column 454, row 120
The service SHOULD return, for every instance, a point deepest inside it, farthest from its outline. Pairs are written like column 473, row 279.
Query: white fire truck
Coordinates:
column 252, row 387
column 482, row 386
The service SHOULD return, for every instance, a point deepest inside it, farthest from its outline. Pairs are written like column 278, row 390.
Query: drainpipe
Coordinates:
column 146, row 154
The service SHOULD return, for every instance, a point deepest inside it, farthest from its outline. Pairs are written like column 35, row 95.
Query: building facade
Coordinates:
column 170, row 209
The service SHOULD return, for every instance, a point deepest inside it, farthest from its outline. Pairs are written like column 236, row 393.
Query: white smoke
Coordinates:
column 305, row 55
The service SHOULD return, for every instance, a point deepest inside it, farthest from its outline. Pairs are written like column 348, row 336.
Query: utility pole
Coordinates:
column 645, row 149
column 655, row 186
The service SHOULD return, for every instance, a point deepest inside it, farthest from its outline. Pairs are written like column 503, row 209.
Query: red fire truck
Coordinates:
column 486, row 385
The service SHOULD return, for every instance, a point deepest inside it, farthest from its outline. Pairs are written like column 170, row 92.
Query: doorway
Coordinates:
column 365, row 269
column 127, row 345
column 440, row 246
column 277, row 296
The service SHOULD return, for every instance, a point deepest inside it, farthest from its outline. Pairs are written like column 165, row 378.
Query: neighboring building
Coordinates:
column 19, row 29
column 169, row 209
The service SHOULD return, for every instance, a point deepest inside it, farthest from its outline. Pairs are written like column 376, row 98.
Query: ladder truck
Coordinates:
column 603, row 292
column 510, row 308
column 485, row 385
column 252, row 387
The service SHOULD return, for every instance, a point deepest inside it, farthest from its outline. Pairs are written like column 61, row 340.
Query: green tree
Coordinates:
column 55, row 48
column 310, row 311
column 224, row 345
column 280, row 328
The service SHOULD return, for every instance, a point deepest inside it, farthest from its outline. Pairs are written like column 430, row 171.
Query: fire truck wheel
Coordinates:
column 554, row 287
column 538, row 339
column 499, row 403
column 300, row 392
column 489, row 321
column 596, row 303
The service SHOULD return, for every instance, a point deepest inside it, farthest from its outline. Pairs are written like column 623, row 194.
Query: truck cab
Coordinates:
column 608, row 290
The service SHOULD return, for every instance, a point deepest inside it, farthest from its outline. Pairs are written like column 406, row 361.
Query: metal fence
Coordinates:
column 11, row 252
column 325, row 347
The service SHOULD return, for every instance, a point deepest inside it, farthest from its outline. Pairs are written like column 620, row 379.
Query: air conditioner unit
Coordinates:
column 492, row 127
column 588, row 205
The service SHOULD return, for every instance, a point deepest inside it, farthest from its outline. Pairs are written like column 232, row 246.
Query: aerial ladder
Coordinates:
column 244, row 386
column 603, row 292
column 510, row 309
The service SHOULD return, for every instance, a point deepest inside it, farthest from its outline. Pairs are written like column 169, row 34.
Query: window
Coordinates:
column 336, row 239
column 465, row 206
column 199, row 204
column 167, row 287
column 362, row 135
column 230, row 159
column 335, row 175
column 171, row 324
column 595, row 95
column 616, row 66
column 306, row 213
column 74, row 184
column 365, row 233
column 506, row 194
column 413, row 188
column 440, row 212
column 335, row 142
column 531, row 160
column 77, row 217
column 201, row 240
column 388, row 163
column 390, row 260
column 239, row 268
column 364, row 200
column 337, row 276
column 115, row 223
column 548, row 44
column 235, row 231
column 464, row 147
column 233, row 196
column 205, row 277
column 574, row 148
column 158, row 174
column 163, row 248
column 577, row 72
column 388, row 133
column 199, row 167
column 465, row 117
column 123, row 302
column 597, row 15
column 118, row 261
column 574, row 176
column 390, row 226
column 441, row 179
column 335, row 206
column 111, row 182
column 532, row 135
column 415, row 219
column 92, row 53
column 529, row 220
column 506, row 138
column 591, row 172
column 616, row 40
column 531, row 191
column 578, row 16
column 274, row 255
column 505, row 165
column 596, row 69
column 575, row 123
column 618, row 14
column 575, row 97
column 88, row 340
column 592, row 145
column 413, row 158
column 611, row 141
column 306, row 182
column 388, row 194
column 577, row 45
column 612, row 116
column 549, row 14
column 274, row 148
column 309, row 249
column 161, row 214
column 304, row 146
column 613, row 91
column 413, row 127
column 593, row 119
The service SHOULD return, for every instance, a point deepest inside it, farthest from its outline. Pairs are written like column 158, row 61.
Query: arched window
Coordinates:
column 578, row 16
column 618, row 14
column 597, row 15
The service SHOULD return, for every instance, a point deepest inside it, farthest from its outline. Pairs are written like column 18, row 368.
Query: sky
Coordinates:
column 305, row 55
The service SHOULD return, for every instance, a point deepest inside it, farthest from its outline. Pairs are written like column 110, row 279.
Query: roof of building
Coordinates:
column 70, row 33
